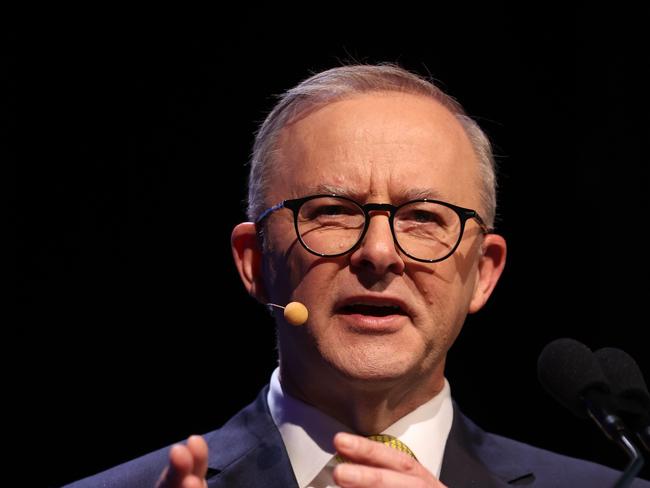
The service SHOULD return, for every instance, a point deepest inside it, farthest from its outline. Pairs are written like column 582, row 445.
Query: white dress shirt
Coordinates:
column 308, row 433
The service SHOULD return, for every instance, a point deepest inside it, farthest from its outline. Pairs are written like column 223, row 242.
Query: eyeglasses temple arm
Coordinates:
column 269, row 211
column 481, row 223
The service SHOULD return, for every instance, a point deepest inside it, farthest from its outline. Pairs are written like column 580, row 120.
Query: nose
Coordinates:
column 377, row 252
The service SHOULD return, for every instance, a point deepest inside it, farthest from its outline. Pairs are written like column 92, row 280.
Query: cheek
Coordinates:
column 280, row 275
column 436, row 287
column 297, row 275
column 314, row 279
column 457, row 277
column 445, row 302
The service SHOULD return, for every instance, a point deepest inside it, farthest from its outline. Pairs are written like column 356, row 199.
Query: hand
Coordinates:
column 187, row 465
column 373, row 464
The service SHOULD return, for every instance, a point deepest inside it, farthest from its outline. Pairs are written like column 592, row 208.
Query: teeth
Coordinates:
column 365, row 304
column 373, row 309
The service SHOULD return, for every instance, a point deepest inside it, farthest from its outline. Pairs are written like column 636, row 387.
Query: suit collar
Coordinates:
column 248, row 451
column 473, row 458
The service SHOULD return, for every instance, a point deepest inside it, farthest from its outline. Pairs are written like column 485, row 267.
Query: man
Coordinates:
column 371, row 201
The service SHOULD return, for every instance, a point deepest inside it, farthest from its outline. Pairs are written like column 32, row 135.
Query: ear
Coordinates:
column 490, row 267
column 247, row 254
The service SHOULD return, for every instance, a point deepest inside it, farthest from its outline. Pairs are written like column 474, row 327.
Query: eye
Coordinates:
column 421, row 216
column 424, row 217
column 331, row 210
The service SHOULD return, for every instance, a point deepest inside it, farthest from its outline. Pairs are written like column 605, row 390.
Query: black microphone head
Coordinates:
column 624, row 376
column 566, row 369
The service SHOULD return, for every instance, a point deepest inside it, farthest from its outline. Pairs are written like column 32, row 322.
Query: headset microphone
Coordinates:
column 295, row 312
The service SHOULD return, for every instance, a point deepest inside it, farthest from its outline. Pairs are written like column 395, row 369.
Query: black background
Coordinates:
column 136, row 331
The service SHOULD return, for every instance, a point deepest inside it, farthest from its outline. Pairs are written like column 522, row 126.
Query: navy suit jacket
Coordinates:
column 248, row 451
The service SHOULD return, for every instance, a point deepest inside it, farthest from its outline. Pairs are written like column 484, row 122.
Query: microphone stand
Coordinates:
column 614, row 428
column 635, row 465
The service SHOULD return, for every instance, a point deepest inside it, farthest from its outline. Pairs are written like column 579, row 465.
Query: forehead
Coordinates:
column 378, row 145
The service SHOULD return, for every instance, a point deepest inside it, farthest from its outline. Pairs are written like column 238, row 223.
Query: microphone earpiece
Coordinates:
column 295, row 312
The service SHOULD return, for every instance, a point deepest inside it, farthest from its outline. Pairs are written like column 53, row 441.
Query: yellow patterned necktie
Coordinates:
column 388, row 440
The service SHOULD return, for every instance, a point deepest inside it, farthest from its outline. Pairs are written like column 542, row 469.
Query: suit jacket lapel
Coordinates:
column 248, row 451
column 473, row 459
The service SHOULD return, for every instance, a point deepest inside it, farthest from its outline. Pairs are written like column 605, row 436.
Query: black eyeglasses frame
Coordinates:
column 294, row 205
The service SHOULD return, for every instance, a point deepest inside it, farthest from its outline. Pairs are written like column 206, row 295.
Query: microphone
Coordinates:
column 571, row 374
column 568, row 370
column 627, row 383
column 295, row 313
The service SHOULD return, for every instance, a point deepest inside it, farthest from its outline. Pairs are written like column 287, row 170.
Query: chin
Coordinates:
column 374, row 364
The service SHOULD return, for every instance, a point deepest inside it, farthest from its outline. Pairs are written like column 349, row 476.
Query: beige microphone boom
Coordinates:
column 295, row 313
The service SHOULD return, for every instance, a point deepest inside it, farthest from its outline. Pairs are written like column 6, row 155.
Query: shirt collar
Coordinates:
column 307, row 432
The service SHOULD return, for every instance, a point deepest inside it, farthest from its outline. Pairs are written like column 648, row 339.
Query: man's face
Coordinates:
column 380, row 148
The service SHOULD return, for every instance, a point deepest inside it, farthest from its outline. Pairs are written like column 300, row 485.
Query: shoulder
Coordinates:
column 141, row 472
column 241, row 434
column 553, row 469
column 540, row 467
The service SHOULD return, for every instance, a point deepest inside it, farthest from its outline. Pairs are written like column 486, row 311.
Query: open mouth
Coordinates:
column 372, row 310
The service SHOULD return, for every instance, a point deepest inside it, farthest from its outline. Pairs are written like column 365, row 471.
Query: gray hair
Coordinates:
column 344, row 82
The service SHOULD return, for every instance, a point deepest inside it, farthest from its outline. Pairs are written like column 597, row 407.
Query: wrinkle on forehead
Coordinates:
column 378, row 147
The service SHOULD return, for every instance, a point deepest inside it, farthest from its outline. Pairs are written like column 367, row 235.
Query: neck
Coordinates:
column 366, row 406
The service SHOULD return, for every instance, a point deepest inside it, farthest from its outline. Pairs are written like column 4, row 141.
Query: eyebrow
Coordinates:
column 399, row 196
column 418, row 194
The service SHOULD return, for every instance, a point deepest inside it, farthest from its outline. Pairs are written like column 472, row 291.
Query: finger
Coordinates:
column 193, row 481
column 348, row 475
column 199, row 450
column 180, row 465
column 364, row 451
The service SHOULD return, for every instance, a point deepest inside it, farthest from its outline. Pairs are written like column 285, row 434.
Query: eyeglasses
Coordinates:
column 331, row 225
